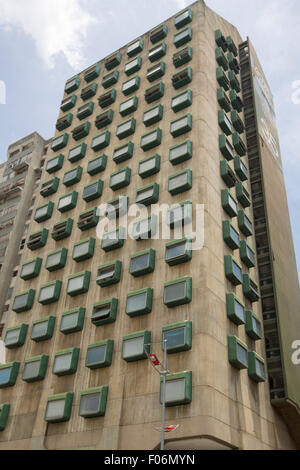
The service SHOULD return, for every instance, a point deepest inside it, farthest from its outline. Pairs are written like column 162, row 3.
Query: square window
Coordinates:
column 44, row 212
column 72, row 85
column 77, row 153
column 131, row 85
column 221, row 59
column 181, row 152
column 72, row 321
column 129, row 106
column 242, row 194
column 240, row 168
column 178, row 389
column 120, row 178
column 237, row 122
column 68, row 103
column 157, row 52
column 67, row 202
column 181, row 126
column 182, row 56
column 153, row 115
column 222, row 79
column 104, row 119
column 223, row 100
column 88, row 219
column 178, row 251
column 135, row 48
column 230, row 235
column 151, row 139
column 23, row 301
column 73, row 176
column 50, row 292
column 256, row 367
column 247, row 254
column 228, row 203
column 4, row 413
column 109, row 273
column 93, row 402
column 113, row 239
column 64, row 122
column 147, row 194
column 43, row 329
column 226, row 147
column 143, row 229
column 234, row 82
column 104, row 312
column 110, row 79
column 56, row 259
column 133, row 66
column 92, row 73
column 117, row 207
column 49, row 187
column 182, row 100
column 59, row 142
column 78, row 283
column 97, row 165
column 158, row 33
column 244, row 223
column 35, row 368
column 233, row 271
column 149, row 166
column 237, row 353
column 37, row 239
column 135, row 346
column 180, row 182
column 89, row 91
column 178, row 292
column 84, row 249
column 156, row 71
column 107, row 98
column 59, row 407
column 99, row 354
column 235, row 309
column 66, row 361
column 15, row 336
column 126, row 128
column 179, row 214
column 154, row 92
column 8, row 374
column 253, row 326
column 183, row 37
column 142, row 263
column 113, row 60
column 227, row 174
column 92, row 191
column 239, row 144
column 139, row 302
column 182, row 78
column 233, row 63
column 224, row 122
column 31, row 269
column 250, row 288
column 62, row 229
column 178, row 336
column 124, row 152
column 183, row 18
column 100, row 141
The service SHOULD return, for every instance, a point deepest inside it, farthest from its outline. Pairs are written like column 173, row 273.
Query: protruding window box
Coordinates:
column 81, row 131
column 224, row 122
column 66, row 361
column 142, row 263
column 240, row 169
column 226, row 147
column 92, row 73
column 93, row 402
column 237, row 122
column 156, row 71
column 72, row 85
column 110, row 79
column 43, row 329
column 183, row 18
column 233, row 270
column 180, row 182
column 113, row 239
column 72, row 321
column 250, row 288
column 221, row 58
column 88, row 219
column 236, row 101
column 59, row 407
column 182, row 100
column 235, row 309
column 55, row 164
column 135, row 47
column 64, row 122
column 128, row 106
column 116, row 207
column 231, row 46
column 242, row 194
column 107, row 98
column 68, row 103
column 153, row 115
column 100, row 141
column 104, row 312
column 220, row 40
column 84, row 249
column 99, row 354
column 67, row 202
column 31, row 269
column 178, row 389
column 144, row 229
column 113, row 61
column 233, row 63
column 77, row 153
column 178, row 251
column 182, row 78
column 37, row 239
column 149, row 166
column 89, row 91
column 92, row 191
column 126, row 128
column 119, row 179
column 62, row 229
column 133, row 66
column 131, row 85
column 4, row 413
column 23, row 301
column 109, row 273
column 50, row 292
column 181, row 126
column 256, row 367
column 244, row 223
column 35, row 368
column 181, row 152
column 234, row 82
column 253, row 326
column 230, row 235
column 78, row 283
column 227, row 174
column 123, row 152
column 178, row 292
column 158, row 33
column 237, row 353
column 59, row 142
column 180, row 214
column 73, row 176
column 151, row 139
column 135, row 346
column 15, row 336
column 228, row 203
column 157, row 52
column 97, row 165
column 182, row 56
column 178, row 336
column 49, row 187
column 85, row 110
column 222, row 78
column 8, row 374
column 183, row 37
column 154, row 92
column 223, row 100
column 104, row 119
column 56, row 259
column 147, row 195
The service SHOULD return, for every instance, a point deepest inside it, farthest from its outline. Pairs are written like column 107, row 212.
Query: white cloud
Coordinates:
column 56, row 26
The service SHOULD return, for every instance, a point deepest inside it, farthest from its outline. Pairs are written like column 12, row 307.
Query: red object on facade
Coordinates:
column 153, row 358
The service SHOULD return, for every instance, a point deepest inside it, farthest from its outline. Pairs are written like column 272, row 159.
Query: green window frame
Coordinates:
column 89, row 91
column 179, row 214
column 177, row 292
column 113, row 239
column 247, row 255
column 240, row 168
column 183, row 37
column 151, row 139
column 182, row 56
column 59, row 142
column 223, row 100
column 221, row 59
column 159, row 33
column 23, row 301
column 224, row 122
column 55, row 163
column 178, row 336
column 104, row 349
column 133, row 66
column 49, row 187
column 62, row 412
column 73, row 176
column 37, row 239
column 88, row 219
column 117, row 207
column 113, row 60
column 178, row 251
column 222, row 78
column 233, row 271
column 135, row 346
column 35, row 368
column 256, row 367
column 180, row 182
column 237, row 353
column 71, row 357
column 110, row 79
column 120, row 178
column 182, row 100
column 147, row 195
column 139, row 302
column 229, row 204
column 131, row 85
column 77, row 153
column 236, row 101
column 153, row 115
column 235, row 309
column 242, row 194
column 181, row 152
column 182, row 394
column 92, row 191
column 72, row 320
column 43, row 212
column 85, row 110
column 4, row 413
column 62, row 229
column 56, row 259
column 104, row 312
column 15, row 336
column 135, row 47
column 68, row 103
column 123, row 152
column 233, row 63
column 181, row 125
column 237, row 122
column 104, row 119
column 78, row 283
column 8, row 374
column 31, row 269
column 231, row 46
column 182, row 77
column 155, row 92
column 230, row 235
column 72, row 85
column 149, row 166
column 234, row 81
column 100, row 141
column 91, row 73
column 43, row 329
column 108, row 98
column 183, row 18
column 157, row 52
column 109, row 273
column 142, row 263
column 244, row 223
column 239, row 144
column 227, row 174
column 50, row 292
column 126, row 128
column 145, row 228
column 97, row 165
column 253, row 326
column 220, row 40
column 67, row 202
column 250, row 289
column 225, row 147
column 128, row 106
column 93, row 402
column 156, row 71
column 64, row 122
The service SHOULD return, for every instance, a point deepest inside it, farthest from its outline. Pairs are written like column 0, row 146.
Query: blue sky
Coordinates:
column 43, row 43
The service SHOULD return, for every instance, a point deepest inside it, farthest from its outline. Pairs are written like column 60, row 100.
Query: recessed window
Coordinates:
column 224, row 122
column 123, row 152
column 15, row 336
column 256, row 367
column 178, row 389
column 181, row 101
column 59, row 407
column 88, row 219
column 237, row 353
column 92, row 73
column 233, row 63
column 139, row 302
column 104, row 312
column 253, row 326
column 221, row 59
column 181, row 126
column 131, row 85
column 222, row 78
column 35, row 368
column 55, row 164
column 223, row 100
column 23, row 301
column 237, row 122
column 144, row 229
column 64, row 122
column 99, row 354
column 147, row 194
column 179, row 214
column 4, row 413
column 68, row 103
column 235, row 309
column 182, row 56
column 126, row 128
column 107, row 98
column 228, row 203
column 142, row 263
column 180, row 182
column 128, row 106
column 78, row 283
column 73, row 176
column 226, row 147
column 154, row 92
column 49, row 292
column 56, row 259
column 182, row 78
column 242, row 194
column 113, row 60
column 116, row 207
column 149, row 166
column 239, row 144
column 178, row 292
column 72, row 85
column 43, row 329
column 8, row 374
column 240, row 169
column 37, row 239
column 231, row 235
column 100, row 141
column 62, row 229
column 183, row 18
column 151, row 139
column 31, row 269
column 77, row 153
column 109, row 273
column 181, row 152
column 67, row 202
column 89, row 91
column 233, row 271
column 158, row 33
column 178, row 251
column 153, row 115
column 97, row 165
column 183, row 37
column 59, row 142
column 110, row 79
column 93, row 402
column 72, row 321
column 133, row 66
column 156, row 71
column 244, row 223
column 113, row 239
column 44, row 212
column 136, row 346
column 104, row 119
column 234, row 82
column 157, row 52
column 120, row 178
column 178, row 336
column 65, row 362
column 227, row 174
column 250, row 288
column 135, row 48
column 247, row 254
column 92, row 191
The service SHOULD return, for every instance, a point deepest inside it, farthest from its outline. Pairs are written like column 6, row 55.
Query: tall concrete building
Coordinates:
column 166, row 119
